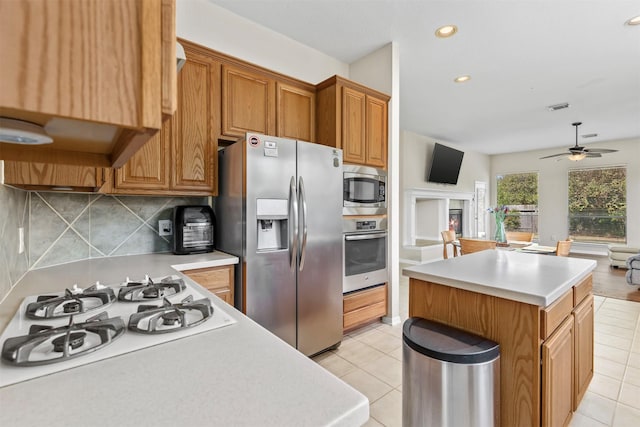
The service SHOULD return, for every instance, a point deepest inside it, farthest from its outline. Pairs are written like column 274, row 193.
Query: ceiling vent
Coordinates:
column 590, row 135
column 558, row 106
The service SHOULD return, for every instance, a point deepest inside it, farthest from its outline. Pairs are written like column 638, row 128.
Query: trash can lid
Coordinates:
column 443, row 342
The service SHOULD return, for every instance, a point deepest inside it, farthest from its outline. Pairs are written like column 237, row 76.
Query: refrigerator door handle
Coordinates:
column 293, row 223
column 303, row 217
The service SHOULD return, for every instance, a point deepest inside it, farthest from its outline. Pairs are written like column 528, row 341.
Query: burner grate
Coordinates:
column 74, row 301
column 147, row 290
column 170, row 317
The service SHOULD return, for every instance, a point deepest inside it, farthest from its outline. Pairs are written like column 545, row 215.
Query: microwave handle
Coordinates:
column 303, row 217
column 368, row 236
column 293, row 221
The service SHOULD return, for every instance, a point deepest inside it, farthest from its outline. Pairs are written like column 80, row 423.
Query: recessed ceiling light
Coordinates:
column 634, row 21
column 446, row 31
column 462, row 79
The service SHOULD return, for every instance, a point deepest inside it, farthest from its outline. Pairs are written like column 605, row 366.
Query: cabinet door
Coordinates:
column 583, row 346
column 248, row 101
column 376, row 137
column 148, row 168
column 194, row 144
column 353, row 126
column 557, row 376
column 296, row 113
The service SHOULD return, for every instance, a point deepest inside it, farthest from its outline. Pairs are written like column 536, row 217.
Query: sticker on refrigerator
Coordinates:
column 270, row 149
column 254, row 141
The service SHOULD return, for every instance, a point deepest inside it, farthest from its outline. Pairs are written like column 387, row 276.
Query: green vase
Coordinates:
column 501, row 235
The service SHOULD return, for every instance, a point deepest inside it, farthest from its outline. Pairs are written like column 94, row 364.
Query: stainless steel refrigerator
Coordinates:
column 279, row 209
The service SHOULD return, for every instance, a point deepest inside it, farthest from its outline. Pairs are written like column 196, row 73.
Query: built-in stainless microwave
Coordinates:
column 364, row 190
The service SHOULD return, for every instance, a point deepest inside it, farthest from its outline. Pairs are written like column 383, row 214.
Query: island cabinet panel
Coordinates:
column 248, row 102
column 555, row 314
column 296, row 112
column 513, row 325
column 354, row 118
column 217, row 280
column 583, row 316
column 557, row 376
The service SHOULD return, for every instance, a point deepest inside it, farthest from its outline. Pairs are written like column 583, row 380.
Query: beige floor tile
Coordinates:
column 630, row 395
column 613, row 330
column 361, row 331
column 634, row 359
column 388, row 409
column 636, row 344
column 619, row 314
column 608, row 368
column 380, row 341
column 604, row 319
column 397, row 354
column 394, row 330
column 372, row 423
column 579, row 420
column 611, row 353
column 358, row 352
column 620, row 304
column 386, row 369
column 597, row 407
column 335, row 364
column 632, row 376
column 367, row 384
column 605, row 386
column 613, row 341
column 626, row 416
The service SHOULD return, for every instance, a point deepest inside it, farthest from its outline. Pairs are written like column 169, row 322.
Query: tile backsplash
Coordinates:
column 66, row 227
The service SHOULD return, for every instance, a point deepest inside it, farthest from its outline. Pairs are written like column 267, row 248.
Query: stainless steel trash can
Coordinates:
column 449, row 377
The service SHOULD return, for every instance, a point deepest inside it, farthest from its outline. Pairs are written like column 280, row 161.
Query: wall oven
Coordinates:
column 364, row 190
column 365, row 253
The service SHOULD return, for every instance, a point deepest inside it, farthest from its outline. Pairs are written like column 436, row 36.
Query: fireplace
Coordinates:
column 455, row 221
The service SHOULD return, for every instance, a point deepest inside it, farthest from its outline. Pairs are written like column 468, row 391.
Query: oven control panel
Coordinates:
column 363, row 225
column 366, row 225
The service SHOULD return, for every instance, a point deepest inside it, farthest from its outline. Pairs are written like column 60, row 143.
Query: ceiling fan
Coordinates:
column 578, row 153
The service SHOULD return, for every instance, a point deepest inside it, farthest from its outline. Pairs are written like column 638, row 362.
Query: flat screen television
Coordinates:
column 445, row 165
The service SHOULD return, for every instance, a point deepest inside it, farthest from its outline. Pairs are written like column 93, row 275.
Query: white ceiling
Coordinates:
column 522, row 57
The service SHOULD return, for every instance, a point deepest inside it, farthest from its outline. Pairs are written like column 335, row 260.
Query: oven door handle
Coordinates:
column 368, row 236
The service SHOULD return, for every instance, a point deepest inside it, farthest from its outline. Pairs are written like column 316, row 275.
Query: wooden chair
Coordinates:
column 448, row 236
column 468, row 246
column 519, row 236
column 563, row 247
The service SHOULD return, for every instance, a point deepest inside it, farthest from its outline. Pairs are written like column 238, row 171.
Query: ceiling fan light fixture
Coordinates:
column 462, row 79
column 446, row 31
column 634, row 21
column 577, row 156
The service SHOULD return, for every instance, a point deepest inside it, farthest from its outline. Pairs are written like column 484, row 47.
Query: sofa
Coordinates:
column 618, row 254
column 633, row 274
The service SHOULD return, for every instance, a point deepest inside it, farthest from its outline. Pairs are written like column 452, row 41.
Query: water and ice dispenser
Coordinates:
column 272, row 217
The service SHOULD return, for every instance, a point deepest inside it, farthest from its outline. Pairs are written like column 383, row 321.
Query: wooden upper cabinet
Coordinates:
column 248, row 102
column 353, row 126
column 354, row 118
column 44, row 176
column 181, row 158
column 106, row 67
column 296, row 112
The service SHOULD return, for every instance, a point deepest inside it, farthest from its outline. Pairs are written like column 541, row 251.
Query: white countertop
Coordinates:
column 239, row 375
column 528, row 278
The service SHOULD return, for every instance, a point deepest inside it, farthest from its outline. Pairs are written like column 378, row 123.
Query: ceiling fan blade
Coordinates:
column 600, row 150
column 594, row 155
column 555, row 155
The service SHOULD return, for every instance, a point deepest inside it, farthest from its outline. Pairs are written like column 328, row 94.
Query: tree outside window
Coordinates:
column 598, row 205
column 519, row 192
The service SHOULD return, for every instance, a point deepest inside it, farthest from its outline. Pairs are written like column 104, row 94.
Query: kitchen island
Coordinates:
column 538, row 308
column 236, row 375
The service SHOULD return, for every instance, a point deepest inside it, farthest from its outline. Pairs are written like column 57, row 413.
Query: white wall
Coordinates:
column 553, row 184
column 212, row 26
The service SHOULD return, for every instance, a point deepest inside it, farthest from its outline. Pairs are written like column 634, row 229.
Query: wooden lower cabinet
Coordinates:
column 583, row 316
column 557, row 376
column 217, row 280
column 362, row 307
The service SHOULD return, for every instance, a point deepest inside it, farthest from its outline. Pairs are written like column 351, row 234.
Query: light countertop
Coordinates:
column 239, row 375
column 528, row 278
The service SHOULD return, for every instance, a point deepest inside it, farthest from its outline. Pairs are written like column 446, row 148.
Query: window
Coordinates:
column 519, row 193
column 598, row 205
